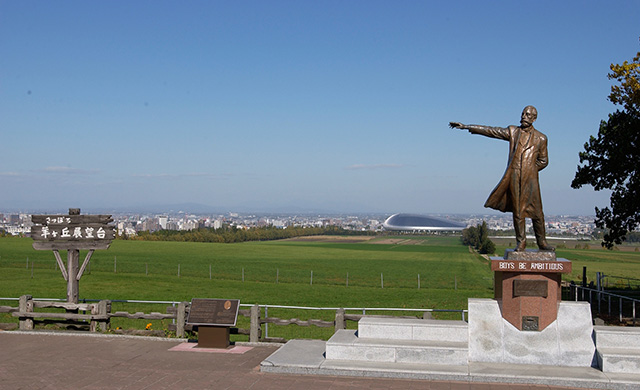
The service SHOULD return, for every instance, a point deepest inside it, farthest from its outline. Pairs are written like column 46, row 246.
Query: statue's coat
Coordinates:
column 521, row 197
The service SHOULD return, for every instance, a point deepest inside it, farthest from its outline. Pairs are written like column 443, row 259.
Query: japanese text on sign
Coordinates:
column 58, row 220
column 72, row 228
column 78, row 232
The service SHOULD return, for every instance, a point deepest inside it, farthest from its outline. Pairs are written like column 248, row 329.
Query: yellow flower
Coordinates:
column 148, row 326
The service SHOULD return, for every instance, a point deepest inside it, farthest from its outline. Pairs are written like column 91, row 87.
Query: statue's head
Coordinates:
column 529, row 115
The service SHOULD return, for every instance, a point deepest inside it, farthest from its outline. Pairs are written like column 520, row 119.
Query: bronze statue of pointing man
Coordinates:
column 519, row 190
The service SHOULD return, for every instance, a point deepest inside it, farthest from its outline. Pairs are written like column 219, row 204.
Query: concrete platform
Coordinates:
column 345, row 345
column 308, row 357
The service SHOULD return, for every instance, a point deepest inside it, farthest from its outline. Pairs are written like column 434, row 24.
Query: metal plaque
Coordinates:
column 530, row 323
column 530, row 288
column 214, row 312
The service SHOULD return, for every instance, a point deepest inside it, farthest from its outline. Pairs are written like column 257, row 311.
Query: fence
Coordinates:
column 618, row 281
column 342, row 315
column 383, row 278
column 605, row 303
column 100, row 314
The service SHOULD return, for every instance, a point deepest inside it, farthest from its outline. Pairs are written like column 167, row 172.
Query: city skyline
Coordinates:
column 290, row 106
column 131, row 224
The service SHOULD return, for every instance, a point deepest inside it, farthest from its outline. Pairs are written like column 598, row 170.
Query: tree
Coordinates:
column 627, row 94
column 478, row 237
column 470, row 236
column 487, row 247
column 611, row 161
column 483, row 232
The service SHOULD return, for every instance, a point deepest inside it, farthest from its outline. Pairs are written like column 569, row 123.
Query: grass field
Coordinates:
column 279, row 273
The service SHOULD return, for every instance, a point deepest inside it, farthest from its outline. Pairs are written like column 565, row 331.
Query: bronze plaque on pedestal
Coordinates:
column 213, row 312
column 530, row 288
column 530, row 323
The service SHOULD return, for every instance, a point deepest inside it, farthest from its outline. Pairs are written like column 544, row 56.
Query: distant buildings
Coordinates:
column 131, row 224
column 16, row 224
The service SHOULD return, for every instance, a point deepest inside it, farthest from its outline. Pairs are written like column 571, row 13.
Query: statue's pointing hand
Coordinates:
column 456, row 125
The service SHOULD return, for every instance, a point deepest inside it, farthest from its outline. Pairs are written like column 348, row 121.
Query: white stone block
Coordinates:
column 486, row 341
column 565, row 342
column 440, row 330
column 386, row 328
column 433, row 355
column 617, row 337
column 345, row 345
column 575, row 334
column 412, row 329
column 618, row 349
column 620, row 360
column 526, row 347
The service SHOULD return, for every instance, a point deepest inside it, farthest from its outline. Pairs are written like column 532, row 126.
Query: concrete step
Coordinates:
column 346, row 345
column 413, row 329
column 617, row 337
column 619, row 360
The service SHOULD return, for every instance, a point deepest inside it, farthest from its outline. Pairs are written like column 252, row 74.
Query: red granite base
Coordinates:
column 519, row 299
column 528, row 289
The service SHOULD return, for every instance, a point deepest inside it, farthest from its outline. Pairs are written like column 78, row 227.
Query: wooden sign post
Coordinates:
column 73, row 232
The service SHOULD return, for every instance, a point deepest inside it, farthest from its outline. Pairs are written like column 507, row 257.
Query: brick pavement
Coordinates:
column 54, row 361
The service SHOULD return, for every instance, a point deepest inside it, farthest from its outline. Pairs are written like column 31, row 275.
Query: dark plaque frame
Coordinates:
column 530, row 288
column 213, row 312
column 531, row 323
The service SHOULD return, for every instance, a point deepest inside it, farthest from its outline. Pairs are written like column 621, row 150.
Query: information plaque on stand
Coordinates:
column 213, row 317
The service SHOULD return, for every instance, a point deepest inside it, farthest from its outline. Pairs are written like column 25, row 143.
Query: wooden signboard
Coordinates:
column 213, row 312
column 61, row 232
column 73, row 232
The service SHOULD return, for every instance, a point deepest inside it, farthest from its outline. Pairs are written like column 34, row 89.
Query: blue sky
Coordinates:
column 297, row 105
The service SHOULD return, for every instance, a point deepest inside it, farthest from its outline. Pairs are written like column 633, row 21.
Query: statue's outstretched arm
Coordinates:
column 488, row 131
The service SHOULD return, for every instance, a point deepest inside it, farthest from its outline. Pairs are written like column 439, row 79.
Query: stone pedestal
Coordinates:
column 213, row 336
column 527, row 287
column 567, row 341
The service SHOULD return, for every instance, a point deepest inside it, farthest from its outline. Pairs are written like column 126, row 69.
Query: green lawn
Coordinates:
column 149, row 270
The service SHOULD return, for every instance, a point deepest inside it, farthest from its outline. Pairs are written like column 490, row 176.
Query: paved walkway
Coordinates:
column 80, row 361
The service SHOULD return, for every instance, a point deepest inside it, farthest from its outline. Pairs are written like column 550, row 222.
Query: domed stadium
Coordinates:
column 415, row 222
